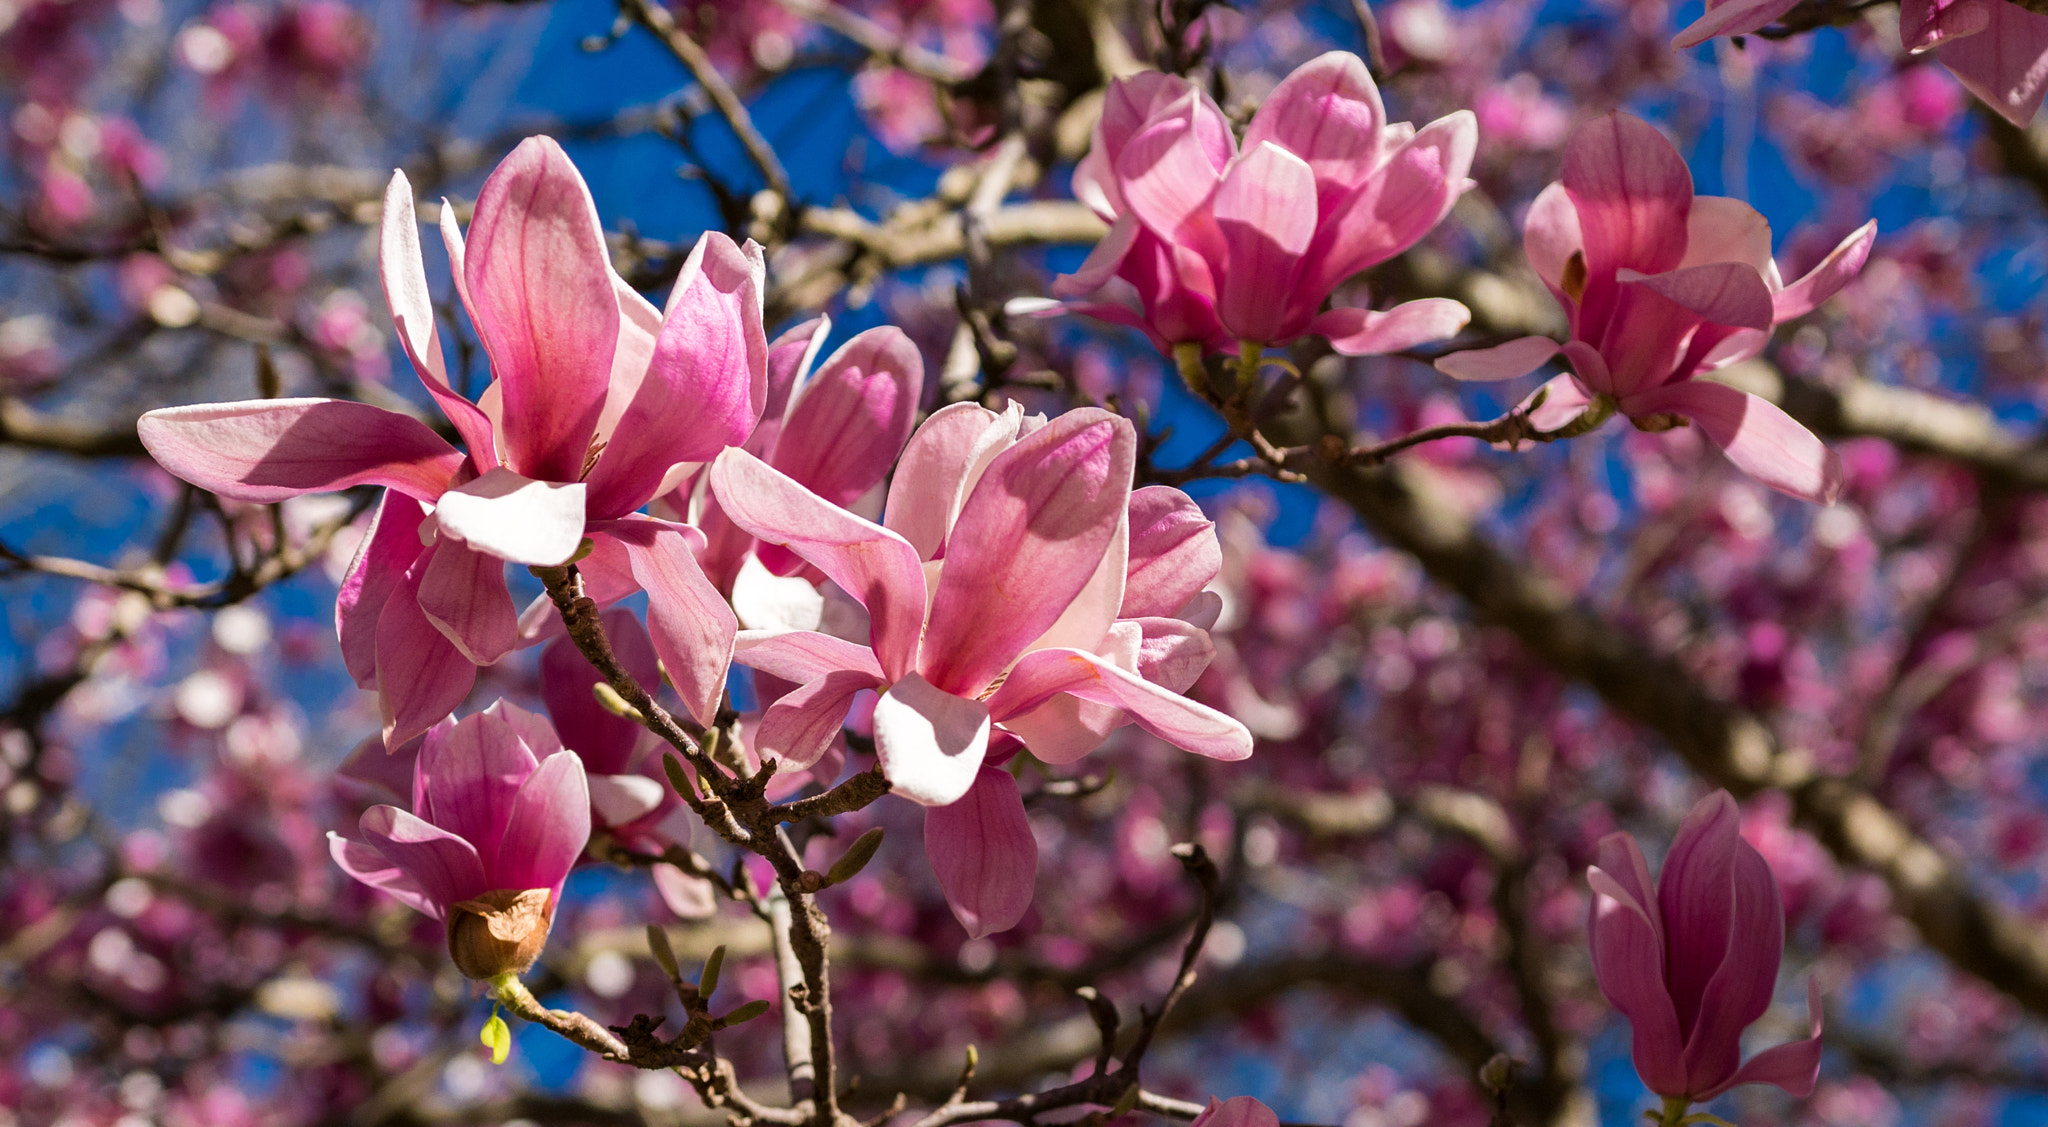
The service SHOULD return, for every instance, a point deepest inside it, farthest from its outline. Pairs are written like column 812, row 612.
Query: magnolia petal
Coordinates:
column 1167, row 180
column 851, row 419
column 983, row 853
column 1733, row 17
column 264, row 450
column 940, row 466
column 876, row 566
column 690, row 622
column 1366, row 332
column 1695, row 901
column 1762, row 440
column 567, row 684
column 802, row 724
column 1927, row 24
column 366, row 864
column 1174, row 552
column 403, row 272
column 1794, row 1066
column 1508, row 361
column 617, row 800
column 1741, row 988
column 540, row 295
column 468, row 774
column 802, row 655
column 463, row 593
column 442, row 865
column 388, row 548
column 1328, row 113
column 1628, row 965
column 1185, row 723
column 1719, row 229
column 1404, row 199
column 689, row 897
column 1172, row 653
column 930, row 742
column 421, row 676
column 1724, row 293
column 1101, row 264
column 1265, row 210
column 1822, row 282
column 548, row 827
column 1238, row 1111
column 1632, row 191
column 515, row 518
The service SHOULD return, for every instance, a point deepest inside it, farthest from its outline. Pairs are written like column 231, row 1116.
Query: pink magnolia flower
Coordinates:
column 1017, row 589
column 500, row 815
column 836, row 431
column 598, row 402
column 1238, row 1111
column 1998, row 50
column 1661, row 287
column 1693, row 962
column 1212, row 244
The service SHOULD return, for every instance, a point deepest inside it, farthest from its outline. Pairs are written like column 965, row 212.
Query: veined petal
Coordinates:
column 1367, row 332
column 404, row 274
column 540, row 294
column 1719, row 229
column 803, row 655
column 1628, row 965
column 1762, row 440
column 791, row 358
column 548, row 827
column 1174, row 552
column 1821, row 282
column 442, row 865
column 1328, row 113
column 850, row 420
column 1550, row 236
column 691, row 624
column 930, row 742
column 264, row 450
column 421, row 676
column 1400, row 203
column 1265, row 210
column 982, row 850
column 706, row 385
column 1172, row 653
column 618, row 800
column 1064, row 728
column 1028, row 541
column 1695, row 897
column 366, row 864
column 639, row 326
column 1723, row 293
column 1513, row 360
column 799, row 727
column 1732, row 17
column 467, row 776
column 1101, row 264
column 940, row 466
column 567, row 678
column 1926, row 24
column 388, row 548
column 1793, row 1066
column 871, row 563
column 1632, row 191
column 1564, row 399
column 1185, row 723
column 1741, row 989
column 515, row 518
column 463, row 593
column 1167, row 181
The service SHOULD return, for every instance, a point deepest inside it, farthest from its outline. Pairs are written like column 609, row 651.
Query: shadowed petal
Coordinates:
column 264, row 450
column 464, row 594
column 1328, row 113
column 803, row 655
column 930, row 742
column 690, row 622
column 605, row 741
column 1367, row 332
column 1821, row 282
column 366, row 864
column 1628, row 963
column 940, row 466
column 1265, row 209
column 851, row 419
column 421, row 676
column 802, row 724
column 1763, row 441
column 1741, row 989
column 1632, row 191
column 1733, row 17
column 387, row 550
column 1185, row 723
column 468, row 773
column 1725, row 293
column 1407, row 197
column 1793, row 1066
column 1174, row 552
column 1695, row 896
column 442, row 865
column 548, row 827
column 982, row 850
column 1508, row 361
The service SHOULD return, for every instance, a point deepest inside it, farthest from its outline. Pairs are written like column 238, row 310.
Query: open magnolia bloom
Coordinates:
column 1997, row 50
column 1212, row 244
column 1661, row 287
column 836, row 431
column 500, row 815
column 1009, row 591
column 597, row 400
column 1692, row 962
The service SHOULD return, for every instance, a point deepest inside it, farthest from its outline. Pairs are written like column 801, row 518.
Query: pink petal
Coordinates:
column 1724, row 293
column 1508, row 361
column 689, row 897
column 707, row 384
column 691, row 624
column 1763, row 441
column 1328, row 113
column 515, row 518
column 548, row 827
column 639, row 326
column 1550, row 236
column 1740, row 991
column 1926, row 24
column 1132, row 103
column 851, row 419
column 264, row 450
column 1171, row 653
column 930, row 742
column 1184, row 723
column 1101, row 264
column 421, row 676
column 605, row 741
column 804, row 655
column 1366, row 332
column 1174, row 552
column 1632, row 191
column 791, row 358
column 803, row 723
column 442, row 865
column 388, row 548
column 1265, row 209
column 982, row 850
column 404, row 275
column 531, row 727
column 468, row 775
column 1695, row 900
column 1238, row 1111
column 620, row 800
column 1066, row 727
column 1628, row 964
column 1026, row 545
column 540, row 294
column 1719, row 229
column 1167, row 181
column 464, row 594
column 1793, row 1066
column 1821, row 282
column 1390, row 212
column 1564, row 399
column 365, row 864
column 940, row 466
column 1733, row 17
column 1092, row 611
column 871, row 563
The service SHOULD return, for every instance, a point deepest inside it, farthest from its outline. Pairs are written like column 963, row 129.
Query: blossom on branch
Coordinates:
column 1692, row 962
column 1661, row 287
column 598, row 403
column 1212, row 243
column 500, row 815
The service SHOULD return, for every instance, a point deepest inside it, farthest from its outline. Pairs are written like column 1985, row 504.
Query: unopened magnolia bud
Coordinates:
column 500, row 932
column 708, row 981
column 856, row 857
column 742, row 1015
column 657, row 943
column 614, row 703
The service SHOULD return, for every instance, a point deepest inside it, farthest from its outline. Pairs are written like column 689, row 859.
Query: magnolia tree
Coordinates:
column 1040, row 562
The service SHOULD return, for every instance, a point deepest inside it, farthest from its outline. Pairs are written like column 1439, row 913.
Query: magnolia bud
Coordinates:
column 500, row 932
